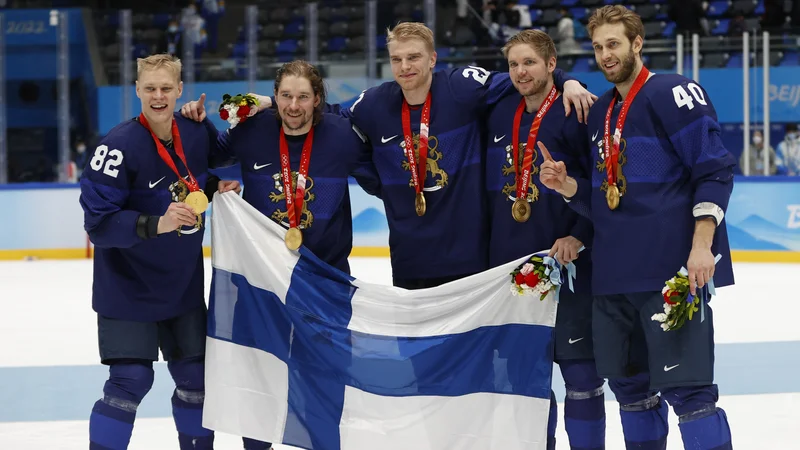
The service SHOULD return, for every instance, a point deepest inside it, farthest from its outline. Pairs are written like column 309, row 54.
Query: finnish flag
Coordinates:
column 302, row 354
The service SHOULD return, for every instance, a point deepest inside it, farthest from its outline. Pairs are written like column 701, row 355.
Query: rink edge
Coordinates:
column 739, row 256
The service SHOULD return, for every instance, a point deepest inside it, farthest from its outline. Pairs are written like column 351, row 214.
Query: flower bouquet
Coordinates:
column 238, row 108
column 679, row 304
column 535, row 277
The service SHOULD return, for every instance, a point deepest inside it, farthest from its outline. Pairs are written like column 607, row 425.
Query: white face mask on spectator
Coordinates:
column 792, row 135
column 757, row 140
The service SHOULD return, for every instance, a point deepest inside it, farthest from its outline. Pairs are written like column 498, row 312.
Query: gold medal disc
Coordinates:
column 198, row 201
column 293, row 238
column 612, row 196
column 521, row 210
column 419, row 204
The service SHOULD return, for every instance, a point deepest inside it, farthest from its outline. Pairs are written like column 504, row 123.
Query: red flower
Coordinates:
column 243, row 111
column 671, row 297
column 532, row 279
column 223, row 114
column 519, row 279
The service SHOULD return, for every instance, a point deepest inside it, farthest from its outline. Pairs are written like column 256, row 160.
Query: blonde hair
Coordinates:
column 160, row 61
column 614, row 14
column 538, row 40
column 411, row 30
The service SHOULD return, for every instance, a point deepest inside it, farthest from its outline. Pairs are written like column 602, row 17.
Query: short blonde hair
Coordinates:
column 160, row 61
column 411, row 30
column 538, row 40
column 614, row 14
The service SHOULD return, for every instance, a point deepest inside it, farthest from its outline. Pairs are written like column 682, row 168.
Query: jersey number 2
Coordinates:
column 682, row 98
column 114, row 159
column 478, row 74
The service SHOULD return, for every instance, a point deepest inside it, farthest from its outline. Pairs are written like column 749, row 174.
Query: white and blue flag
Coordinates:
column 302, row 354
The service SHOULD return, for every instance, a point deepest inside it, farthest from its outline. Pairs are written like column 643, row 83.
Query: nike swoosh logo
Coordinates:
column 152, row 185
column 571, row 341
column 257, row 167
column 385, row 140
column 498, row 139
column 667, row 369
column 595, row 135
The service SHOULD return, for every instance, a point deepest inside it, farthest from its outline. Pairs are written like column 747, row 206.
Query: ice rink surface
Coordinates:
column 50, row 375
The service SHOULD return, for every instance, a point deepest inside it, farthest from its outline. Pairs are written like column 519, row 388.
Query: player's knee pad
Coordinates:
column 189, row 377
column 692, row 402
column 581, row 379
column 634, row 394
column 127, row 384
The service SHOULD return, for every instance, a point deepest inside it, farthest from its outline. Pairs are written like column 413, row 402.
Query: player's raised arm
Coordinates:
column 105, row 188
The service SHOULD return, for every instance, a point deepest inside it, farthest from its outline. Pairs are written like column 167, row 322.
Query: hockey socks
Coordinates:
column 187, row 405
column 643, row 413
column 584, row 405
column 703, row 425
column 111, row 421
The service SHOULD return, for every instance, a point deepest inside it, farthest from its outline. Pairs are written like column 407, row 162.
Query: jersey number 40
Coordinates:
column 682, row 98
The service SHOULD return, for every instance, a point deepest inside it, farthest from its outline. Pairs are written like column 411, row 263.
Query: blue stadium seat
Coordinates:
column 718, row 8
column 380, row 41
column 735, row 61
column 294, row 28
column 790, row 58
column 535, row 13
column 720, row 27
column 579, row 13
column 287, row 46
column 569, row 3
column 337, row 44
column 527, row 2
column 669, row 30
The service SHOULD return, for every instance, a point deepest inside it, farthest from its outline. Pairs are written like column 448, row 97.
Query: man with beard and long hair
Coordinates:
column 526, row 217
column 319, row 151
column 657, row 200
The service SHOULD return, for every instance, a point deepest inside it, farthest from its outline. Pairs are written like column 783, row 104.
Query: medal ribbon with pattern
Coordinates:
column 191, row 183
column 417, row 168
column 611, row 153
column 523, row 173
column 294, row 200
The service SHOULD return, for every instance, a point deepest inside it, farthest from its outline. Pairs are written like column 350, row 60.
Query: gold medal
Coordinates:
column 198, row 201
column 521, row 210
column 293, row 238
column 419, row 204
column 612, row 196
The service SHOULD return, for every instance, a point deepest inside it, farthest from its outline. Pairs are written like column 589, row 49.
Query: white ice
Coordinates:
column 47, row 320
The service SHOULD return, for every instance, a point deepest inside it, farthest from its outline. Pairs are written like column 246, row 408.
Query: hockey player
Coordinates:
column 322, row 149
column 425, row 131
column 143, row 202
column 657, row 198
column 526, row 217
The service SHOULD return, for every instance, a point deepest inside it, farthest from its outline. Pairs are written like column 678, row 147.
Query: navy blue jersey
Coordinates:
column 138, row 276
column 337, row 152
column 671, row 159
column 451, row 239
column 551, row 218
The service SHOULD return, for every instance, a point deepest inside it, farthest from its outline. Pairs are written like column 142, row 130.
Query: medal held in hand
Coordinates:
column 418, row 167
column 611, row 146
column 521, row 209
column 196, row 199
column 294, row 198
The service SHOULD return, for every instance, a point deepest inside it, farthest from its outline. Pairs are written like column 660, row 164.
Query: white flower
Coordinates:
column 526, row 269
column 664, row 290
column 665, row 327
column 233, row 119
column 659, row 317
column 667, row 308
